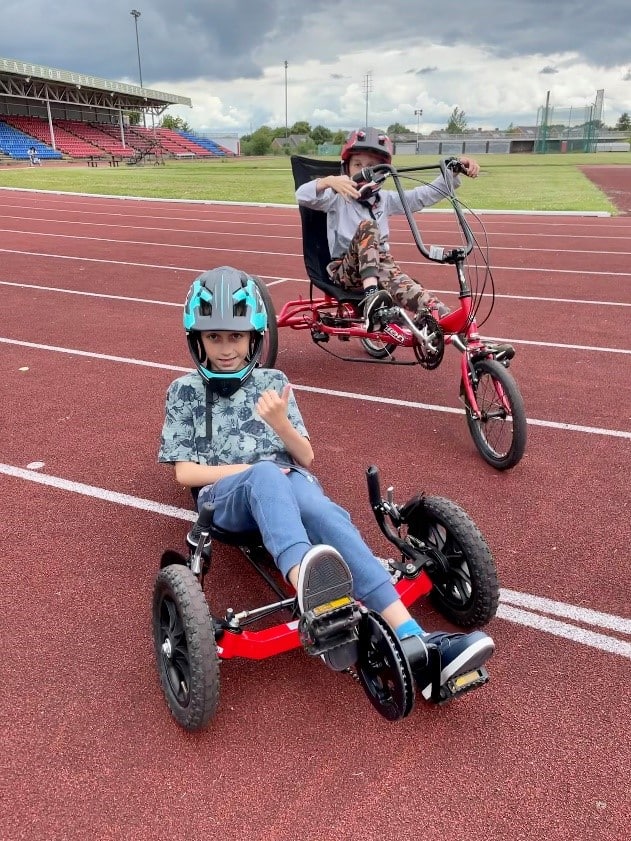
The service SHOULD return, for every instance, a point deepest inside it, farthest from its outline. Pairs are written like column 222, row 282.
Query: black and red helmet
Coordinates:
column 367, row 140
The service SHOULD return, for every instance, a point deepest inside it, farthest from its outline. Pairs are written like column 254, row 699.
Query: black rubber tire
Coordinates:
column 500, row 441
column 270, row 341
column 378, row 350
column 465, row 585
column 189, row 667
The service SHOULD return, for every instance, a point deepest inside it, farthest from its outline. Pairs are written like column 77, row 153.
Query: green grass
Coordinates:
column 506, row 182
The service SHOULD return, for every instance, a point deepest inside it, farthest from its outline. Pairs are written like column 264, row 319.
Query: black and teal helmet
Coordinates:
column 224, row 299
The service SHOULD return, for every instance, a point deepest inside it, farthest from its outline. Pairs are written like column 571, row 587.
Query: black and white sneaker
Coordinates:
column 323, row 577
column 375, row 299
column 325, row 601
column 460, row 654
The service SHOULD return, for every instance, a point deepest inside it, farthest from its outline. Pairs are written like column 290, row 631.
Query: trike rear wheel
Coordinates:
column 377, row 349
column 270, row 341
column 185, row 647
column 500, row 431
column 465, row 588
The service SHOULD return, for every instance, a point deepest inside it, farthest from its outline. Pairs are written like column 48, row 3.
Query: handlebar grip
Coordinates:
column 455, row 165
column 205, row 519
column 374, row 489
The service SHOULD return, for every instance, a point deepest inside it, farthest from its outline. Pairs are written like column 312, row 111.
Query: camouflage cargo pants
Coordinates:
column 364, row 259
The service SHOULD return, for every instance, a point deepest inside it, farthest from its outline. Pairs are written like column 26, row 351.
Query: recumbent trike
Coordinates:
column 442, row 555
column 493, row 405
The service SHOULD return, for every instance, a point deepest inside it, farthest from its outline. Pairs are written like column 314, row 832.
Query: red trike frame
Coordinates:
column 258, row 645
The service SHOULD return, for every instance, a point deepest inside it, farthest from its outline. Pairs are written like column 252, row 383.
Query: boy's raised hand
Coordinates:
column 273, row 407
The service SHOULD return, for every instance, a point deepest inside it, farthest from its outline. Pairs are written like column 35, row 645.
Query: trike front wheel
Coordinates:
column 500, row 431
column 465, row 588
column 185, row 647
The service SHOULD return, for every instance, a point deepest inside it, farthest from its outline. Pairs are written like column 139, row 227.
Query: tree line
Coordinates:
column 259, row 142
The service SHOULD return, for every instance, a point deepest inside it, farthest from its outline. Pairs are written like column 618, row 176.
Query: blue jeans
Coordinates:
column 292, row 513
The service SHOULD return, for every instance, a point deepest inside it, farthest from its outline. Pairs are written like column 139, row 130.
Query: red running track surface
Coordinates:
column 90, row 750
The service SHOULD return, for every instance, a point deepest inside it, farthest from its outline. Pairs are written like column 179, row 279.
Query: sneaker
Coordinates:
column 375, row 299
column 323, row 577
column 459, row 654
column 324, row 580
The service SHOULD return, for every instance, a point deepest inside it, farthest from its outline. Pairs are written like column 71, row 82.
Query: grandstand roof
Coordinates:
column 25, row 80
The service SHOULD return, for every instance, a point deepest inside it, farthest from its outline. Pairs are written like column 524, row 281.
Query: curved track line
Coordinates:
column 612, row 645
column 275, row 281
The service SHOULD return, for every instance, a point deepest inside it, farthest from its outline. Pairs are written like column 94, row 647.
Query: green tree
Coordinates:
column 258, row 143
column 457, row 122
column 624, row 122
column 174, row 123
column 300, row 128
column 397, row 128
column 321, row 134
column 339, row 138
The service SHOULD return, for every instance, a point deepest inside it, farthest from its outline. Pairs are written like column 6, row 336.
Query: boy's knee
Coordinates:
column 367, row 227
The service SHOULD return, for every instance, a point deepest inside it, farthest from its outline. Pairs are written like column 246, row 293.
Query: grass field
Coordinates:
column 506, row 182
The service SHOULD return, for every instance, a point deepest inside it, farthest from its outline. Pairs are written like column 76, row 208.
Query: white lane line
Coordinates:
column 129, row 299
column 275, row 281
column 97, row 493
column 563, row 629
column 539, row 269
column 368, row 398
column 567, row 611
column 505, row 611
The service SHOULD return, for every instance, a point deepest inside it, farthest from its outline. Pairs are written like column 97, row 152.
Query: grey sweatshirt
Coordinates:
column 343, row 217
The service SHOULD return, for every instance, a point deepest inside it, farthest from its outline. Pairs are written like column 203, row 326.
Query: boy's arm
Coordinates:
column 193, row 475
column 314, row 193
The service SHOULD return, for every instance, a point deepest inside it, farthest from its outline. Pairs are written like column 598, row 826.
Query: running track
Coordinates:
column 90, row 337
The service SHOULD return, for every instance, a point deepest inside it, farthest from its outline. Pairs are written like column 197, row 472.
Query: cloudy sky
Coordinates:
column 493, row 59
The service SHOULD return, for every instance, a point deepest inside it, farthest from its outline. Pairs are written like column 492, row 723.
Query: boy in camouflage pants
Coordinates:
column 358, row 231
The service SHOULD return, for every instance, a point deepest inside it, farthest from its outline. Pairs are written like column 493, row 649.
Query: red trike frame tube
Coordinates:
column 258, row 645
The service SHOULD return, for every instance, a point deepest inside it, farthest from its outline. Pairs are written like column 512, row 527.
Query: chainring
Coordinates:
column 430, row 352
column 383, row 669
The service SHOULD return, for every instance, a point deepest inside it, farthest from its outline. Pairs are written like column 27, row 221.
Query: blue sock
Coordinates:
column 410, row 628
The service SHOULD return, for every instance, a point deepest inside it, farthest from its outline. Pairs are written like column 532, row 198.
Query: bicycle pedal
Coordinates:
column 329, row 625
column 459, row 685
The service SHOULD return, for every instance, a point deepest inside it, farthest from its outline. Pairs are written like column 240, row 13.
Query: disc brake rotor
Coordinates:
column 383, row 669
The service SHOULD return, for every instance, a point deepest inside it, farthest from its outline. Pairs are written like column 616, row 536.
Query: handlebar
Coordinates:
column 374, row 176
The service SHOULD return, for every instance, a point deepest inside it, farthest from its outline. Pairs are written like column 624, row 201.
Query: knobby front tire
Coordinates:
column 185, row 647
column 465, row 587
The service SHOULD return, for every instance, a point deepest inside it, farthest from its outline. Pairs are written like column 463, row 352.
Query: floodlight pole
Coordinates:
column 136, row 14
column 418, row 112
column 286, row 131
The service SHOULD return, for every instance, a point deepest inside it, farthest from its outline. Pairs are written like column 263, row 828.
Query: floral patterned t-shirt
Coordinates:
column 239, row 435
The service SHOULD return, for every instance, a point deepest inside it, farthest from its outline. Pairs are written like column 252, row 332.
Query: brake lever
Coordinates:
column 369, row 179
column 456, row 166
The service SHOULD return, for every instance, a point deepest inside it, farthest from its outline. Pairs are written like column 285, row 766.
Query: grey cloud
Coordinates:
column 226, row 39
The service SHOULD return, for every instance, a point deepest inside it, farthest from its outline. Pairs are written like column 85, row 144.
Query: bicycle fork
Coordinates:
column 469, row 380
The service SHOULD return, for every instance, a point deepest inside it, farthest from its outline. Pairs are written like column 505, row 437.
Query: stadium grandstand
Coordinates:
column 74, row 117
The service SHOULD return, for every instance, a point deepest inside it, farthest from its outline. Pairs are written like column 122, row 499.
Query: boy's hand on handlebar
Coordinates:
column 469, row 167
